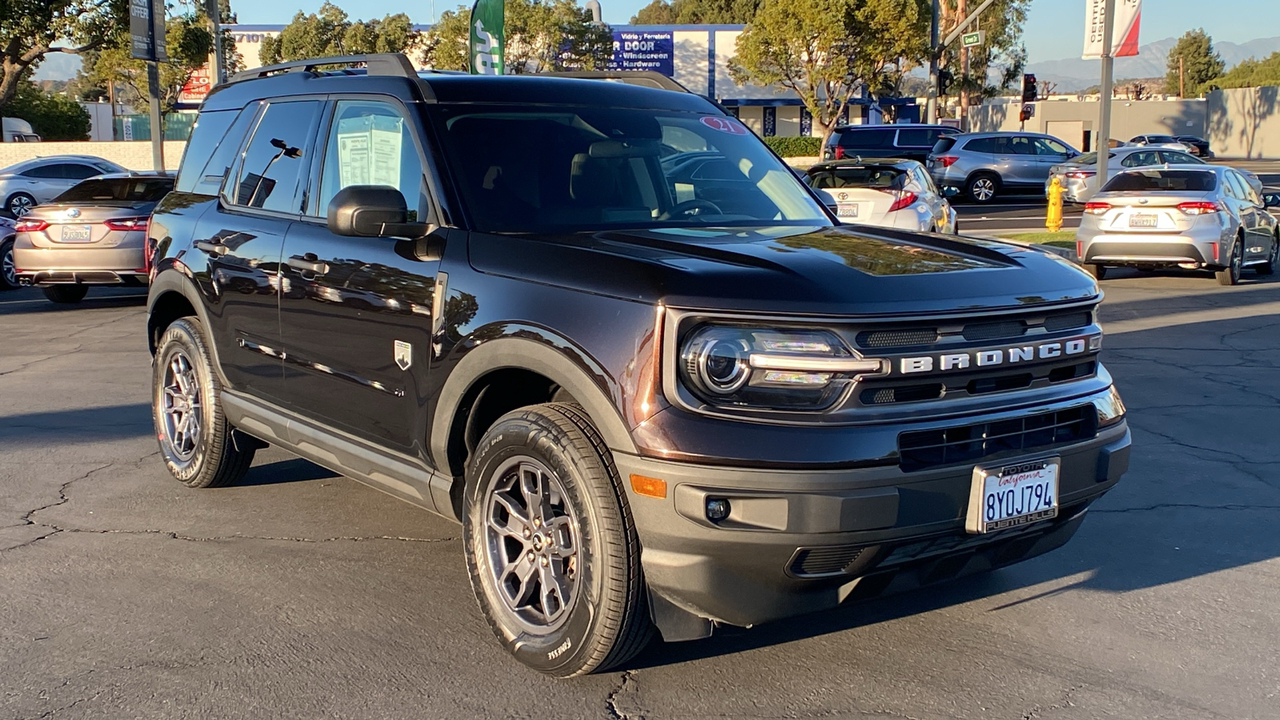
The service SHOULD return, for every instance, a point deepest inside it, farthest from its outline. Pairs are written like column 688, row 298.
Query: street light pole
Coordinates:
column 931, row 105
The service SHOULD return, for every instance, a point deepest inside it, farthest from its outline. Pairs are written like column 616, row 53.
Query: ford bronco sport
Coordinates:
column 656, row 382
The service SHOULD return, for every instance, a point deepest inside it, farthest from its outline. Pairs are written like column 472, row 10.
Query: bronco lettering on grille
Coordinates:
column 990, row 358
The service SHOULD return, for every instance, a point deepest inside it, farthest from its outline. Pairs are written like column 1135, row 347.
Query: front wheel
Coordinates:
column 196, row 441
column 1269, row 267
column 550, row 546
column 8, row 268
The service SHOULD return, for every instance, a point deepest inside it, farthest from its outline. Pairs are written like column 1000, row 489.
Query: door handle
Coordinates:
column 212, row 248
column 308, row 263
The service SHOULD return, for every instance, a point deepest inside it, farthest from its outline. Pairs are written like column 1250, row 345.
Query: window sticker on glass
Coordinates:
column 369, row 150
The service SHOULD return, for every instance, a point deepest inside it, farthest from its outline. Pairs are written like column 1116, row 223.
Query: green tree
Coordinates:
column 1192, row 63
column 827, row 51
column 541, row 35
column 53, row 116
column 29, row 30
column 331, row 32
column 1001, row 55
column 188, row 41
column 1251, row 73
column 696, row 12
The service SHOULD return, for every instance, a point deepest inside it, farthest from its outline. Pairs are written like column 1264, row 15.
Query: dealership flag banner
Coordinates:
column 1124, row 36
column 488, row 37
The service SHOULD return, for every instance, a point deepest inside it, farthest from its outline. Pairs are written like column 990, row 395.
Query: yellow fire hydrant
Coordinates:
column 1053, row 218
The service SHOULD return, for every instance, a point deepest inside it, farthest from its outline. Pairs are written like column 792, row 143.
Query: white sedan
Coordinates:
column 893, row 193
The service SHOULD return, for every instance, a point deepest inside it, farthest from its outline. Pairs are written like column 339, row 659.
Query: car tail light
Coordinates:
column 903, row 199
column 1081, row 174
column 1097, row 208
column 128, row 224
column 1079, row 248
column 839, row 153
column 947, row 160
column 29, row 226
column 1198, row 208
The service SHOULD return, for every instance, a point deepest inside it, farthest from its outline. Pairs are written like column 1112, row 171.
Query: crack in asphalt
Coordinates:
column 1034, row 712
column 611, row 701
column 28, row 364
column 28, row 520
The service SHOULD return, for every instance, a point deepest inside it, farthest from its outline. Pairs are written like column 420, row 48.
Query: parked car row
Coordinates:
column 892, row 193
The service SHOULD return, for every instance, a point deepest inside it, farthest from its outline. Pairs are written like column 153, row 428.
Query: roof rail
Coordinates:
column 647, row 78
column 392, row 64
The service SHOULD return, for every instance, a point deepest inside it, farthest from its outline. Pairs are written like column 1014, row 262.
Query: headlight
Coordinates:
column 1110, row 408
column 770, row 368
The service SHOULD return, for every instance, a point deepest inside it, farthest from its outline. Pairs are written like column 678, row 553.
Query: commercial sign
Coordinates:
column 197, row 86
column 644, row 50
column 146, row 30
column 488, row 37
column 1124, row 31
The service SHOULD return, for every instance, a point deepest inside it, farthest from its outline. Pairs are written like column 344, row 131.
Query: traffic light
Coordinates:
column 944, row 82
column 1029, row 88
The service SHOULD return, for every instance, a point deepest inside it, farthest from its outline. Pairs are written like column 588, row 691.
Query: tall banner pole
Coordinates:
column 1104, row 107
column 488, row 37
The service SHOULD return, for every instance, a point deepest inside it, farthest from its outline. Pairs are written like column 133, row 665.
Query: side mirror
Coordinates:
column 950, row 191
column 1271, row 200
column 372, row 211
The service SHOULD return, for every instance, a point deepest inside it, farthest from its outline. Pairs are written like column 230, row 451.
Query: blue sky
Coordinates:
column 1054, row 28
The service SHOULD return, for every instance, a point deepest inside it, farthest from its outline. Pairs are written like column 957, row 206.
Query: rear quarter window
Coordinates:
column 208, row 151
column 981, row 145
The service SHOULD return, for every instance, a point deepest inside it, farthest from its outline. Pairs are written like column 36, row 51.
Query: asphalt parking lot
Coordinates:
column 301, row 594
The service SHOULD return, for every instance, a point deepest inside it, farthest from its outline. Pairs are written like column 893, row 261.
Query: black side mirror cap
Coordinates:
column 1271, row 200
column 372, row 211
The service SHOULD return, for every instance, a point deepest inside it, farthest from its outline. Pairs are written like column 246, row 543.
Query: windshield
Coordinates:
column 1179, row 180
column 149, row 189
column 570, row 169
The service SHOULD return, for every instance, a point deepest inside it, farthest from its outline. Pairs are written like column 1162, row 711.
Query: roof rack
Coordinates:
column 646, row 78
column 390, row 64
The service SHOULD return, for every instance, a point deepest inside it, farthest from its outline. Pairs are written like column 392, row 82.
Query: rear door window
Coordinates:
column 1141, row 159
column 1017, row 145
column 269, row 174
column 917, row 137
column 868, row 138
column 76, row 171
column 1176, row 158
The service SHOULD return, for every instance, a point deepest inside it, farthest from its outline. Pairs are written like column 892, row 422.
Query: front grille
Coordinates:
column 907, row 393
column 1067, row 321
column 995, row 330
column 898, row 338
column 817, row 562
column 969, row 443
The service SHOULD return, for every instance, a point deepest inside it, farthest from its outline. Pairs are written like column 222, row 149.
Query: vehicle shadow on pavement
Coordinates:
column 30, row 301
column 285, row 471
column 81, row 425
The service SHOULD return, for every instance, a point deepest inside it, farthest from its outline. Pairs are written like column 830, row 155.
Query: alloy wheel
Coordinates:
column 983, row 189
column 8, row 268
column 20, row 205
column 532, row 538
column 182, row 407
column 1237, row 261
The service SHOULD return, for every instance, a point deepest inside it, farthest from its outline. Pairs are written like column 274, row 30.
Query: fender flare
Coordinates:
column 558, row 365
column 173, row 280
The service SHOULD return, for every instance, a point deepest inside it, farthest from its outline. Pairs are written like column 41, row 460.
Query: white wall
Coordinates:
column 1245, row 123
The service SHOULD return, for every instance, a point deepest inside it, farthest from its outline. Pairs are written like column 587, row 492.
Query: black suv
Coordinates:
column 655, row 393
column 910, row 141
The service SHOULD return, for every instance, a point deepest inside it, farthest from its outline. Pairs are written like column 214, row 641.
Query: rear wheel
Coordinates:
column 1098, row 271
column 1269, row 267
column 19, row 204
column 66, row 294
column 8, row 269
column 550, row 546
column 982, row 188
column 1230, row 275
column 196, row 441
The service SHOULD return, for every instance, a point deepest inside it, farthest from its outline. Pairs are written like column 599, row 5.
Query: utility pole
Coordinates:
column 964, row 75
column 157, row 124
column 931, row 105
column 219, row 65
column 1182, row 76
column 1104, row 106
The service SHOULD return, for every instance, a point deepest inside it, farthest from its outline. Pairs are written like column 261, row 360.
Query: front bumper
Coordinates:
column 799, row 541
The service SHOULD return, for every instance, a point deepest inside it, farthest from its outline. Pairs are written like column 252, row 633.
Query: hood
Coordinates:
column 846, row 270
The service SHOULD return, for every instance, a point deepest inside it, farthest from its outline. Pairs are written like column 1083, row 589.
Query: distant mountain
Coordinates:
column 57, row 66
column 1075, row 74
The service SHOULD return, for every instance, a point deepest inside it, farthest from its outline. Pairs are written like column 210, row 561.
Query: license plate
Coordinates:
column 847, row 210
column 75, row 233
column 1142, row 220
column 1013, row 495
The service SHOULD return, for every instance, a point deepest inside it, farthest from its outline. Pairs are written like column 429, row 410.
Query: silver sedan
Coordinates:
column 1187, row 216
column 891, row 193
column 1079, row 174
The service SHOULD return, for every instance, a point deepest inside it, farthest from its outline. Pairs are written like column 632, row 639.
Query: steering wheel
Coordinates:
column 692, row 208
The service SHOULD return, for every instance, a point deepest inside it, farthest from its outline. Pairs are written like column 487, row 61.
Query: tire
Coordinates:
column 982, row 188
column 8, row 270
column 66, row 294
column 19, row 204
column 1269, row 267
column 552, row 451
column 185, row 391
column 1230, row 275
column 1098, row 271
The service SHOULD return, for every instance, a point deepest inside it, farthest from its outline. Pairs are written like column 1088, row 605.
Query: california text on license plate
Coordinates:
column 1013, row 495
column 75, row 233
column 847, row 210
column 1142, row 220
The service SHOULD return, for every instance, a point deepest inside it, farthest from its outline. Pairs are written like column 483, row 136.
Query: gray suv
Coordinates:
column 984, row 165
